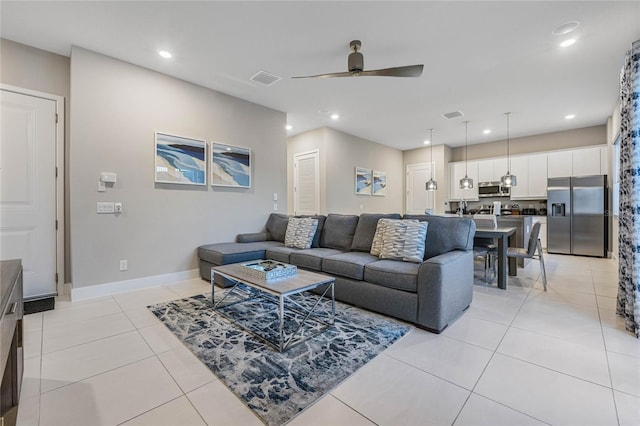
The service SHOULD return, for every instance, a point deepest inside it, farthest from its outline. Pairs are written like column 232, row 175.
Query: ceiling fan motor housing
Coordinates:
column 356, row 63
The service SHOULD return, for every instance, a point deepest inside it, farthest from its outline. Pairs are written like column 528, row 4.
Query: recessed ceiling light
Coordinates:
column 335, row 116
column 565, row 28
column 427, row 142
column 288, row 127
column 486, row 131
column 165, row 54
column 569, row 116
column 568, row 42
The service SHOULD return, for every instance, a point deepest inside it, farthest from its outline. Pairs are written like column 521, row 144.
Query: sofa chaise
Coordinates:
column 430, row 294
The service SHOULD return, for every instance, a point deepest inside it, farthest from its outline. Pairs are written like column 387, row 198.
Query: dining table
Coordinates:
column 505, row 237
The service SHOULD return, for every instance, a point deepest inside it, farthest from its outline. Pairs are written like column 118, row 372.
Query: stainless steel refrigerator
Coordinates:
column 576, row 215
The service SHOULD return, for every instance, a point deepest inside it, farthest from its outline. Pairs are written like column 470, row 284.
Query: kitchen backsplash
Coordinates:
column 475, row 206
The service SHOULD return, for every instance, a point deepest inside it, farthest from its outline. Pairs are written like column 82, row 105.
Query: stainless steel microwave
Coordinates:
column 492, row 189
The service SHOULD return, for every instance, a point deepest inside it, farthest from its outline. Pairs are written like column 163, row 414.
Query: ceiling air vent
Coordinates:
column 265, row 78
column 453, row 114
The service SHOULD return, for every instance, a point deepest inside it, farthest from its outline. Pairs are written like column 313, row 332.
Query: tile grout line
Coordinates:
column 491, row 358
column 606, row 354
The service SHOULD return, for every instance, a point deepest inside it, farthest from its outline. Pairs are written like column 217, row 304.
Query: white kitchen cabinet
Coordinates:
column 559, row 164
column 586, row 161
column 531, row 173
column 492, row 170
column 520, row 169
column 457, row 171
column 604, row 163
column 537, row 176
column 485, row 170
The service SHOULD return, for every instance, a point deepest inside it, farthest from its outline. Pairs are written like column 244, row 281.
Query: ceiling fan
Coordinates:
column 356, row 67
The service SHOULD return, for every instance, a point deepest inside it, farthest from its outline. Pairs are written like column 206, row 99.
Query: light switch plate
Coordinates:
column 102, row 208
column 108, row 177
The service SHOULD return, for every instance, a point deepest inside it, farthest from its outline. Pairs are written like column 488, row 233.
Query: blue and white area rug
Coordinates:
column 278, row 386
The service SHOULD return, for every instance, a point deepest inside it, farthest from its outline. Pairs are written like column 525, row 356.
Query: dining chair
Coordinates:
column 530, row 251
column 486, row 247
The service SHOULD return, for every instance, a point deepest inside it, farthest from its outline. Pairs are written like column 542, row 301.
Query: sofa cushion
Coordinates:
column 281, row 254
column 311, row 258
column 224, row 253
column 316, row 237
column 446, row 234
column 393, row 274
column 277, row 226
column 366, row 229
column 404, row 240
column 338, row 231
column 350, row 265
column 300, row 232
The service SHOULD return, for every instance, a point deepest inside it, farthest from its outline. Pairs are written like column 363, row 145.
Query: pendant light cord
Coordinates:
column 508, row 158
column 466, row 132
column 431, row 152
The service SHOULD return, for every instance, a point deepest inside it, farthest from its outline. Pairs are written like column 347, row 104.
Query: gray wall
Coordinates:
column 340, row 153
column 34, row 69
column 116, row 109
column 595, row 135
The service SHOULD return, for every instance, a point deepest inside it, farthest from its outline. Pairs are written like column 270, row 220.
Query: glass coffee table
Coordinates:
column 291, row 319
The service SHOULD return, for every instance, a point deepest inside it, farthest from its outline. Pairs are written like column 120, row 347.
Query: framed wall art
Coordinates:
column 379, row 183
column 230, row 166
column 180, row 160
column 363, row 181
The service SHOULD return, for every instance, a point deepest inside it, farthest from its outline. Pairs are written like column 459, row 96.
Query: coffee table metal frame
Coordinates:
column 282, row 289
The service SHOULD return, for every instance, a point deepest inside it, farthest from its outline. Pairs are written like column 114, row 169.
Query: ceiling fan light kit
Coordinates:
column 355, row 66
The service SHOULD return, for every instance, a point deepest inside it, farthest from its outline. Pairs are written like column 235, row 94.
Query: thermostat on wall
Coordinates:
column 108, row 177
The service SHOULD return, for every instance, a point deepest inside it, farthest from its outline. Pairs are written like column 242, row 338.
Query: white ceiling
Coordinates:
column 483, row 58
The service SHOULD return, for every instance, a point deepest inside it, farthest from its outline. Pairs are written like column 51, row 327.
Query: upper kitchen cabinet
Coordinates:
column 559, row 164
column 457, row 171
column 531, row 173
column 586, row 161
column 492, row 170
column 577, row 162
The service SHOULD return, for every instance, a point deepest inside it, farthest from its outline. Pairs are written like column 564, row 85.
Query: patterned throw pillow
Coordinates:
column 404, row 240
column 300, row 232
column 376, row 244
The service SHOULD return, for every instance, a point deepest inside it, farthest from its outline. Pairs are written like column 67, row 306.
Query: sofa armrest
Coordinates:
column 253, row 237
column 445, row 288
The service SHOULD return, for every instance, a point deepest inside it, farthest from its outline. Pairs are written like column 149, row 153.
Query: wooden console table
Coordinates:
column 11, row 348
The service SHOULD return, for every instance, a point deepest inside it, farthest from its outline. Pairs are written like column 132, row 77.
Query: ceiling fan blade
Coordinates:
column 408, row 71
column 335, row 74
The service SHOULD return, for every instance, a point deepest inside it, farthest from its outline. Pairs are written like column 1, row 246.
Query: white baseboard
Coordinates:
column 107, row 289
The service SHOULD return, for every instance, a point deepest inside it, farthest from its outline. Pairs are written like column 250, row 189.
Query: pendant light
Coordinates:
column 431, row 184
column 508, row 180
column 466, row 182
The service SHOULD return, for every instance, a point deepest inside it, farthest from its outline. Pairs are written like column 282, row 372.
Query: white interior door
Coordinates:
column 418, row 198
column 28, row 188
column 306, row 183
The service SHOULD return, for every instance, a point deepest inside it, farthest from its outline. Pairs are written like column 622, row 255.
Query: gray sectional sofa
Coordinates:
column 431, row 294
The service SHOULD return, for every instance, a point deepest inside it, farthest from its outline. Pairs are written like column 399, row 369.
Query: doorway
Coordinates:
column 419, row 200
column 32, row 188
column 306, row 183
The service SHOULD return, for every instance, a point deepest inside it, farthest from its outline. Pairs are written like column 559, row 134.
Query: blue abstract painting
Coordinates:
column 379, row 183
column 230, row 166
column 363, row 181
column 180, row 160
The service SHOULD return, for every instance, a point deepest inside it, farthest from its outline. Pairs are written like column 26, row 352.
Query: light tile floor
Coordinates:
column 517, row 357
